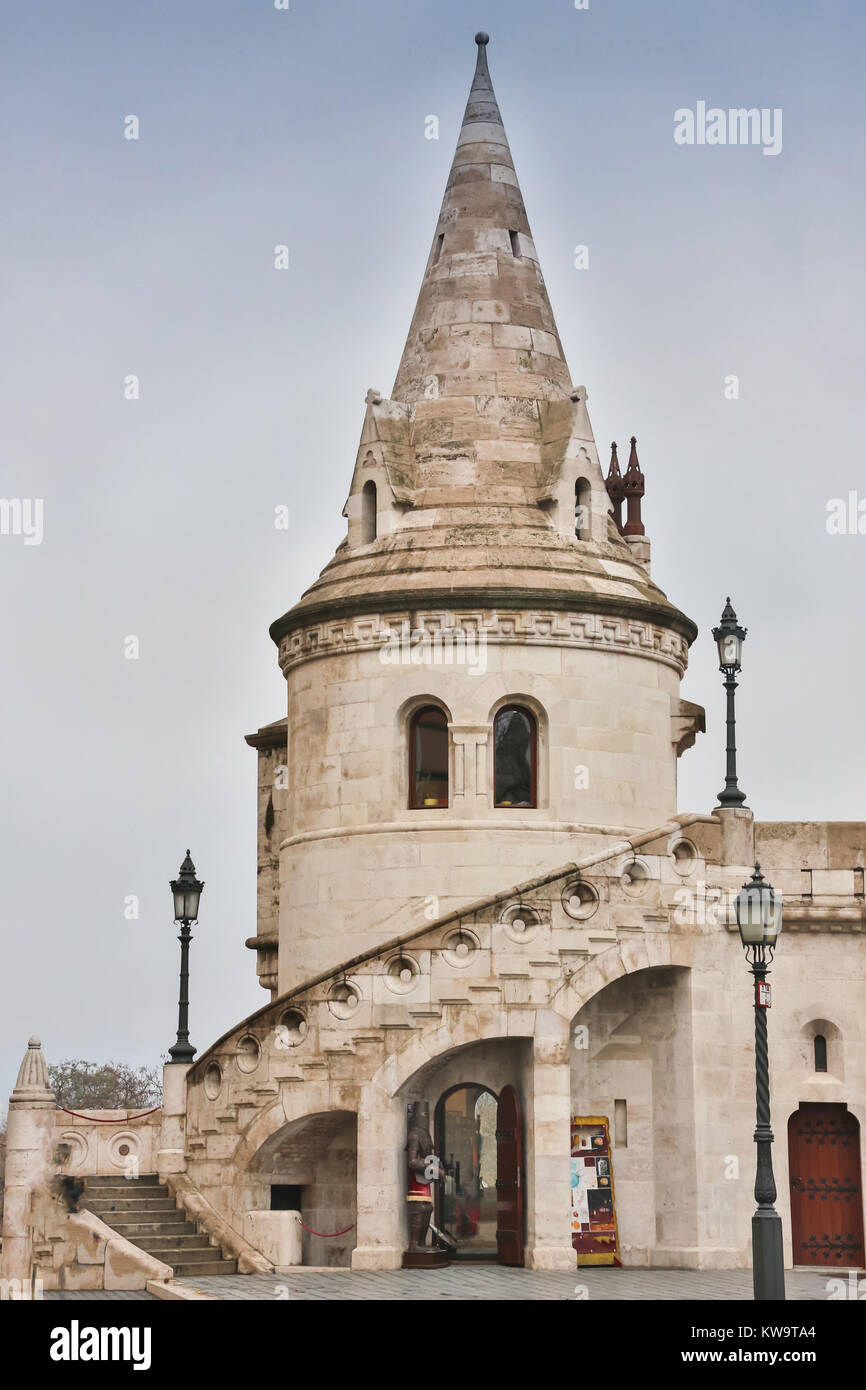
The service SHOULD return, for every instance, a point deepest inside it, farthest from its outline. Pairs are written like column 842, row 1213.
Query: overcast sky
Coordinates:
column 154, row 257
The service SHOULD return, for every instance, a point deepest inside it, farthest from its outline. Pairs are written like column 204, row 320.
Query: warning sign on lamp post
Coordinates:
column 762, row 994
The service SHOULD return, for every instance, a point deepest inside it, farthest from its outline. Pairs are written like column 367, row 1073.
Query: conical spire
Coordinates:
column 483, row 327
column 634, row 487
column 33, row 1083
column 615, row 488
column 476, row 461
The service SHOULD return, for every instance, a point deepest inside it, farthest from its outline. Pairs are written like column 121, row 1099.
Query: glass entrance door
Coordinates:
column 466, row 1121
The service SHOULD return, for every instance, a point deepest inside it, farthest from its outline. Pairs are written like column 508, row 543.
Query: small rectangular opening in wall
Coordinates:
column 438, row 252
column 859, row 884
column 620, row 1124
column 286, row 1197
column 515, row 244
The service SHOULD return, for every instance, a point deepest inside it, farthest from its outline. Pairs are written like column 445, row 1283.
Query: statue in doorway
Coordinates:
column 423, row 1169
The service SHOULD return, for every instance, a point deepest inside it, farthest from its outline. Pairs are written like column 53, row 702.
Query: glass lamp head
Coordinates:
column 186, row 890
column 729, row 637
column 759, row 912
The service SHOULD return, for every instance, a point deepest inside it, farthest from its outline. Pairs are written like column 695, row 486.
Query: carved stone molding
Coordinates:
column 498, row 626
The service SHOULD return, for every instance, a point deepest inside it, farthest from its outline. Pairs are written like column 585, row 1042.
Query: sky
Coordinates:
column 154, row 258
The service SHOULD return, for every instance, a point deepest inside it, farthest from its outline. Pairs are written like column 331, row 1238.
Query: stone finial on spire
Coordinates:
column 33, row 1082
column 634, row 486
column 615, row 487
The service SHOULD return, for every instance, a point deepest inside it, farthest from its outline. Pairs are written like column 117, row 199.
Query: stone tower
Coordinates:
column 483, row 572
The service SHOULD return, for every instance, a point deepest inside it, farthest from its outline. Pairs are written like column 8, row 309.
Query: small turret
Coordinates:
column 634, row 486
column 615, row 487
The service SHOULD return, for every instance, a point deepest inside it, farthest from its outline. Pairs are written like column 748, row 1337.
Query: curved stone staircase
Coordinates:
column 143, row 1211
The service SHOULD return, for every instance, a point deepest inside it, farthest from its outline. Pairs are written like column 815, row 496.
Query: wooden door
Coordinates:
column 826, row 1197
column 509, row 1179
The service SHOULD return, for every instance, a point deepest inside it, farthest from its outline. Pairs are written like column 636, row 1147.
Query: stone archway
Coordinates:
column 631, row 1065
column 309, row 1166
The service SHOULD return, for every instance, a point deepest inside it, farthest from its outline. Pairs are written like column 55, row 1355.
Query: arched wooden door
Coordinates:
column 826, row 1196
column 509, row 1178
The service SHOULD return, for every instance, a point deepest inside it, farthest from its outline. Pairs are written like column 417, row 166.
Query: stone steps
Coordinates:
column 143, row 1211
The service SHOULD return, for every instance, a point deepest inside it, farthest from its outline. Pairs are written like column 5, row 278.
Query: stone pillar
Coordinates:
column 737, row 840
column 29, row 1162
column 381, row 1233
column 170, row 1154
column 469, row 793
column 548, row 1136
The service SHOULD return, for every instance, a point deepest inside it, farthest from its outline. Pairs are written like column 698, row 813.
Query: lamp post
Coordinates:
column 729, row 638
column 759, row 918
column 186, row 890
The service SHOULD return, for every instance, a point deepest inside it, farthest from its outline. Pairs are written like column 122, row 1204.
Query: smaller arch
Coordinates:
column 515, row 757
column 369, row 512
column 821, row 1048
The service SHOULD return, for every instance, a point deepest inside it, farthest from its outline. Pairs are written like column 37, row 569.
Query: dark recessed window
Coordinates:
column 582, row 495
column 428, row 758
column 820, row 1052
column 285, row 1197
column 515, row 244
column 438, row 251
column 368, row 513
column 514, row 743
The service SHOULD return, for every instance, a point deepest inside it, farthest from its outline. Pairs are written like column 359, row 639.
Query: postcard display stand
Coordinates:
column 593, row 1212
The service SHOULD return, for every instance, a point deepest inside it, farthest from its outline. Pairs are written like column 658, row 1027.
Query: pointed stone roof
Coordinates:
column 33, row 1083
column 483, row 325
column 476, row 455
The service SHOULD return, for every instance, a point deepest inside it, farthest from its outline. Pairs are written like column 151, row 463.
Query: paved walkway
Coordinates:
column 494, row 1283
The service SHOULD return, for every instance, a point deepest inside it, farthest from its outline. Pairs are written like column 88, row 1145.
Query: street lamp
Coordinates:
column 186, row 890
column 759, row 918
column 729, row 638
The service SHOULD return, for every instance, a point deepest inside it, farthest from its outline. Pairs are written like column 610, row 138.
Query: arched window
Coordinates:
column 368, row 513
column 820, row 1052
column 515, row 737
column 428, row 758
column 582, row 494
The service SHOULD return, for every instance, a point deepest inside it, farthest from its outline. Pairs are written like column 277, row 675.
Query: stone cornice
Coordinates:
column 642, row 629
column 469, row 599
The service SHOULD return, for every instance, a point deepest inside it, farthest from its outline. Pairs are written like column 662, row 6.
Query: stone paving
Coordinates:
column 492, row 1282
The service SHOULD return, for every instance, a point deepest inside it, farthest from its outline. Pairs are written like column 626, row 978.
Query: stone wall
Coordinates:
column 359, row 867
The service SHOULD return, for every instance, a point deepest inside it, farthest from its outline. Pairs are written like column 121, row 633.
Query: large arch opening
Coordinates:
column 478, row 1095
column 308, row 1169
column 632, row 1068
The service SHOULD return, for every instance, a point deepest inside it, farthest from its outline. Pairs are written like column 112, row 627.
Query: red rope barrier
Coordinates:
column 96, row 1120
column 328, row 1235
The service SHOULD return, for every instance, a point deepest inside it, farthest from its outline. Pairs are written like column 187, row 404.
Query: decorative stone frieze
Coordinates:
column 497, row 626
